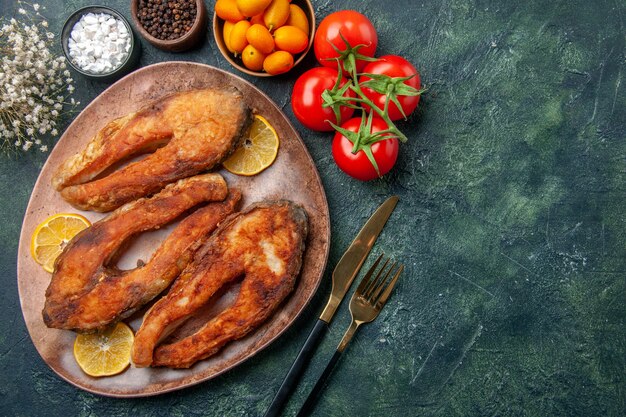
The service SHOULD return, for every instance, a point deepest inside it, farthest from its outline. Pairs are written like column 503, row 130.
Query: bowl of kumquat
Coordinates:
column 264, row 37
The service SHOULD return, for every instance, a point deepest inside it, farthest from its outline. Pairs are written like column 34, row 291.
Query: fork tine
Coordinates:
column 385, row 295
column 367, row 292
column 380, row 284
column 368, row 275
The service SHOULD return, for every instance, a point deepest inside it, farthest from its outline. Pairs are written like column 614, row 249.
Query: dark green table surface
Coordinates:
column 511, row 223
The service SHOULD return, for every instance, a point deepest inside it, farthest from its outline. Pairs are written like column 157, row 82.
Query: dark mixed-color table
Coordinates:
column 511, row 223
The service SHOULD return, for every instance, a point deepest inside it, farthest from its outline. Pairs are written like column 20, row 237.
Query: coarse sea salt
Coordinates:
column 99, row 43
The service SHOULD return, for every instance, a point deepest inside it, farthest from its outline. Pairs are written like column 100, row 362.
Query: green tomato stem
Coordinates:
column 363, row 139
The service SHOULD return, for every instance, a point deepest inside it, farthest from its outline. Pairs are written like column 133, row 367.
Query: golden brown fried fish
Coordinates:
column 265, row 245
column 189, row 132
column 86, row 294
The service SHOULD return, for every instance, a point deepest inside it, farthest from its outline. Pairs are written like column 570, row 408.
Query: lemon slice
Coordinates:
column 51, row 236
column 104, row 353
column 258, row 151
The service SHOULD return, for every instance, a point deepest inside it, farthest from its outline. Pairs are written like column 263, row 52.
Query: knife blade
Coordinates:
column 344, row 273
column 350, row 263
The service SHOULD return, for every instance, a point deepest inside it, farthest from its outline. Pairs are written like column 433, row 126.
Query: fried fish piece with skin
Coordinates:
column 264, row 244
column 85, row 293
column 118, row 294
column 189, row 132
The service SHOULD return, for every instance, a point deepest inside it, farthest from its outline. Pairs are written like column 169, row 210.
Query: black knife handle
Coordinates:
column 295, row 372
column 309, row 404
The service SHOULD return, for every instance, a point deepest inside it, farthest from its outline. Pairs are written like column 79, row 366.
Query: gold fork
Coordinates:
column 366, row 303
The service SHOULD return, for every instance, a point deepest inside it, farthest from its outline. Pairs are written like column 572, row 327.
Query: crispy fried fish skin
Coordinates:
column 85, row 294
column 118, row 294
column 264, row 244
column 192, row 131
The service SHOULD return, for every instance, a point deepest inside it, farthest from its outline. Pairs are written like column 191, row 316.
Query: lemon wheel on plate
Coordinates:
column 104, row 353
column 52, row 235
column 258, row 151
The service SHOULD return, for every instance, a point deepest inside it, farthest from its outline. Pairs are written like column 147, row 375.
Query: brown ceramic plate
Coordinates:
column 292, row 176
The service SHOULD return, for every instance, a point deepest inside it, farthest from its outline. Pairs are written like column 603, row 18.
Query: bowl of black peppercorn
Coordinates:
column 171, row 25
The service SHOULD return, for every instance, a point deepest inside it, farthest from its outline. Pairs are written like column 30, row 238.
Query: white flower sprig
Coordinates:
column 35, row 85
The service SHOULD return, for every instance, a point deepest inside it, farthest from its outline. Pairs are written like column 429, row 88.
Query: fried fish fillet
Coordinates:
column 188, row 132
column 264, row 244
column 86, row 294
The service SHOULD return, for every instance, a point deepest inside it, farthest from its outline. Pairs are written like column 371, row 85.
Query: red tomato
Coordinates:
column 358, row 165
column 355, row 28
column 393, row 66
column 306, row 99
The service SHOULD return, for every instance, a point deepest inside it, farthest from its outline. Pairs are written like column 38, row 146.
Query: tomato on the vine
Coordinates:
column 358, row 165
column 356, row 28
column 307, row 101
column 393, row 66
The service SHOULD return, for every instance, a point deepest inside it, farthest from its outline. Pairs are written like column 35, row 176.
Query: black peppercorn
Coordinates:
column 167, row 20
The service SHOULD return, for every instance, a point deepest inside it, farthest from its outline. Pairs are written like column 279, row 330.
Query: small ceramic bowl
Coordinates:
column 218, row 34
column 185, row 42
column 125, row 67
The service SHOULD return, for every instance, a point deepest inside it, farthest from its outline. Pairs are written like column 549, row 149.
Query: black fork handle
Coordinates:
column 297, row 369
column 309, row 404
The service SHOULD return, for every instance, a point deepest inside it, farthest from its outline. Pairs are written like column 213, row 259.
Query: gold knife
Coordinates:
column 346, row 269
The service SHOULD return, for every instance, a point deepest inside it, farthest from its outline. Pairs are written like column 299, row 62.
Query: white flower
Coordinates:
column 31, row 78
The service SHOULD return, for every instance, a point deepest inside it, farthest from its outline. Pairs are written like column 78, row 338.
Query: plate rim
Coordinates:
column 24, row 239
